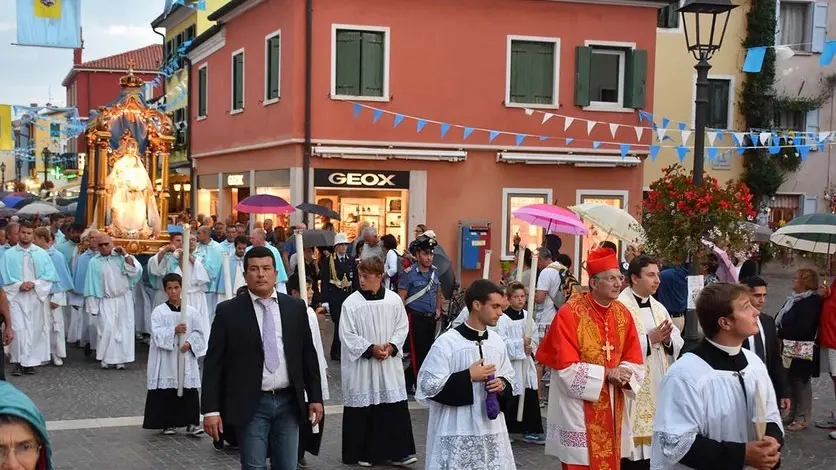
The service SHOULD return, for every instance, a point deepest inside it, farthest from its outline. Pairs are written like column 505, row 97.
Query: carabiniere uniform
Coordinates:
column 340, row 284
column 421, row 297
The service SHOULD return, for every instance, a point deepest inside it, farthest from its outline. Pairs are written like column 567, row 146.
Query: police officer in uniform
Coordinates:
column 338, row 274
column 419, row 288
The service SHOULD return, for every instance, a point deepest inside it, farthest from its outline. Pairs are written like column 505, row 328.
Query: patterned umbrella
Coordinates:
column 14, row 198
column 612, row 220
column 813, row 233
column 264, row 204
column 552, row 218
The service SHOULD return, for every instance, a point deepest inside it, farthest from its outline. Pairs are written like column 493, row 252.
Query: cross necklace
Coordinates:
column 606, row 347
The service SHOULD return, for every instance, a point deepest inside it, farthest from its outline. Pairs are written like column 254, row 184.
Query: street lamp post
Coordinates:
column 46, row 154
column 708, row 19
column 3, row 171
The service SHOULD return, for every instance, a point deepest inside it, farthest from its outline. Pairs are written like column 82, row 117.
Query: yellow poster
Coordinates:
column 48, row 9
column 7, row 141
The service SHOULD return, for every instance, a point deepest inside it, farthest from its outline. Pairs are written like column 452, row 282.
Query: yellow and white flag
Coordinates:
column 49, row 23
column 48, row 9
column 7, row 140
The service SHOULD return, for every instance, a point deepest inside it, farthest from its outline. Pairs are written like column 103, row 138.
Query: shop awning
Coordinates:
column 579, row 160
column 373, row 153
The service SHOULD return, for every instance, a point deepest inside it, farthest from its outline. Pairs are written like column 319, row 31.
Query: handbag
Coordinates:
column 798, row 349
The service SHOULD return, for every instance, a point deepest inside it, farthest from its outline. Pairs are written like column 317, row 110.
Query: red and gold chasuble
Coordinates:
column 589, row 333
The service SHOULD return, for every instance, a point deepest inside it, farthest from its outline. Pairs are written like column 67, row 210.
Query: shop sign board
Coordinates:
column 331, row 178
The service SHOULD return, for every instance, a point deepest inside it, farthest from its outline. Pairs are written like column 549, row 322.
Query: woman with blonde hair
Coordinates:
column 798, row 325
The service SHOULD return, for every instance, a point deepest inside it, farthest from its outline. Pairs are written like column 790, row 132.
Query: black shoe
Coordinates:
column 88, row 352
column 17, row 371
column 29, row 370
column 218, row 445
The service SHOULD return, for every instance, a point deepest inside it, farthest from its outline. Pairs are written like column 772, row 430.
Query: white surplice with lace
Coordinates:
column 164, row 351
column 367, row 382
column 462, row 437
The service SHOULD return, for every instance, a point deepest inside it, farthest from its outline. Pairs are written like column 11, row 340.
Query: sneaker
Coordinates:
column 120, row 366
column 829, row 423
column 194, row 430
column 57, row 361
column 29, row 370
column 404, row 462
column 833, row 435
column 302, row 463
column 533, row 438
column 169, row 432
column 218, row 445
column 364, row 464
column 17, row 371
column 104, row 365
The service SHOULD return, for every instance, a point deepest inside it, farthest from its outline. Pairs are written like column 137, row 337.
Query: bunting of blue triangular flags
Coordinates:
column 519, row 139
column 681, row 151
column 420, row 125
column 492, row 135
column 444, row 129
column 596, row 144
column 398, row 120
column 654, row 152
column 467, row 132
column 624, row 149
column 712, row 153
column 569, row 140
column 377, row 114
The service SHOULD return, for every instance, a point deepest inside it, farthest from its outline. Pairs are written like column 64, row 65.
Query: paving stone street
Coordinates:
column 94, row 417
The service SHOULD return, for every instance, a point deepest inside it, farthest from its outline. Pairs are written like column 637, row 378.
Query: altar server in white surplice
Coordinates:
column 57, row 295
column 707, row 411
column 163, row 408
column 198, row 283
column 373, row 328
column 466, row 366
column 661, row 343
column 28, row 273
column 109, row 295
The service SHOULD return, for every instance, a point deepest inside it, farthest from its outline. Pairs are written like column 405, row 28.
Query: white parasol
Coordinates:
column 38, row 208
column 612, row 220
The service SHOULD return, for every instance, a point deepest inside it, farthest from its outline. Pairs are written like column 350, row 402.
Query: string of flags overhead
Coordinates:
column 753, row 63
column 774, row 142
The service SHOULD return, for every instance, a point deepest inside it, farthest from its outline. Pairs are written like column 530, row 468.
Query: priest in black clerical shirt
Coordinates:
column 717, row 408
column 765, row 343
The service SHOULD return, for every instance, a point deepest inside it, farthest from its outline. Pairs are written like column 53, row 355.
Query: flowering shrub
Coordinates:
column 679, row 215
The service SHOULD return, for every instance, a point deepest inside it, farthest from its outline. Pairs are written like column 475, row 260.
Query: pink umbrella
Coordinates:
column 552, row 218
column 264, row 204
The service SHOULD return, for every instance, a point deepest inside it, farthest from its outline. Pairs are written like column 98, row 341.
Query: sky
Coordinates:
column 34, row 74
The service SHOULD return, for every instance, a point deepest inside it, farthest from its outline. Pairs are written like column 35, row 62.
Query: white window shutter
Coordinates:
column 811, row 204
column 819, row 26
column 812, row 129
column 778, row 22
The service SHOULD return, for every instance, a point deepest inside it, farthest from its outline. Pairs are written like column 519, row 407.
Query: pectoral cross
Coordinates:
column 607, row 347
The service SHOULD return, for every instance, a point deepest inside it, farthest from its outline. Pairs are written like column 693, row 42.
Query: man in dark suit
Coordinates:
column 260, row 363
column 765, row 343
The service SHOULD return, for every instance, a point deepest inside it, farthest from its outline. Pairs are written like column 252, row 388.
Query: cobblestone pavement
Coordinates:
column 92, row 415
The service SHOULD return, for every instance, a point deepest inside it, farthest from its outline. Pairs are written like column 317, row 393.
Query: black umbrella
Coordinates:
column 315, row 238
column 318, row 210
column 62, row 201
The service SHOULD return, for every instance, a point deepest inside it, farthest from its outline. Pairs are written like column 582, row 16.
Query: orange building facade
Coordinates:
column 404, row 97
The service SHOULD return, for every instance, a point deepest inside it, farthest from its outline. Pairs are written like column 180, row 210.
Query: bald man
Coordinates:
column 259, row 238
column 82, row 328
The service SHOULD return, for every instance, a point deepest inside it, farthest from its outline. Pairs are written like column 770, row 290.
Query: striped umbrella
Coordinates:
column 813, row 233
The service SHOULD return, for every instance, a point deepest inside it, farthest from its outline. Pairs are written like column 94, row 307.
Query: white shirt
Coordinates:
column 751, row 339
column 279, row 378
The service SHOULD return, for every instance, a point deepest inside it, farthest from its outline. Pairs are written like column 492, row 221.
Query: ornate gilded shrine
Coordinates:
column 129, row 148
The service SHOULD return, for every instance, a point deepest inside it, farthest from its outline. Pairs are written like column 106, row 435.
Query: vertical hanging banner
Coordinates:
column 49, row 23
column 7, row 141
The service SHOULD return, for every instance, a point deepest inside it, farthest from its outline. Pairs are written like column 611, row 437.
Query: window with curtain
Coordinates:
column 795, row 25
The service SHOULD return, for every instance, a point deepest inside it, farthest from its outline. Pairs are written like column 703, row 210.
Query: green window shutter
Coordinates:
column 238, row 81
column 532, row 72
column 372, row 66
column 201, row 97
column 272, row 91
column 583, row 58
column 348, row 63
column 635, row 78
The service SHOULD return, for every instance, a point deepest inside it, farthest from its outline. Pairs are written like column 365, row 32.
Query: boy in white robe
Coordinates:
column 464, row 367
column 661, row 343
column 310, row 441
column 57, row 295
column 108, row 295
column 520, row 349
column 377, row 427
column 707, row 411
column 28, row 273
column 163, row 408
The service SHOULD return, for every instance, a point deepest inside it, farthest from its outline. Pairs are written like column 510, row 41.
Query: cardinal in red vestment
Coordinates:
column 593, row 348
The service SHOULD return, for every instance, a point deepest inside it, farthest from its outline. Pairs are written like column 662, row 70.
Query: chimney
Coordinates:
column 77, row 52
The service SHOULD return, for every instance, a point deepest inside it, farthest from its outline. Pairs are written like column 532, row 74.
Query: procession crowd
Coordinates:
column 607, row 359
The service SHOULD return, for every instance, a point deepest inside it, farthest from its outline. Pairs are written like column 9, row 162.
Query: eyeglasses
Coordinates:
column 24, row 452
column 610, row 279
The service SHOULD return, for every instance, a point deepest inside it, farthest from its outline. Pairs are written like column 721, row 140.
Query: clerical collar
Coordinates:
column 642, row 301
column 719, row 358
column 172, row 307
column 369, row 295
column 513, row 314
column 730, row 350
column 471, row 334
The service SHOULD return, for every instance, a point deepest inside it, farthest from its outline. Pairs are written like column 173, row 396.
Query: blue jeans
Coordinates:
column 273, row 429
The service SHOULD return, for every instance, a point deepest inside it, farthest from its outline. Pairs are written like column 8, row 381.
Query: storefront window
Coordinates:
column 595, row 235
column 207, row 194
column 531, row 236
column 236, row 187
